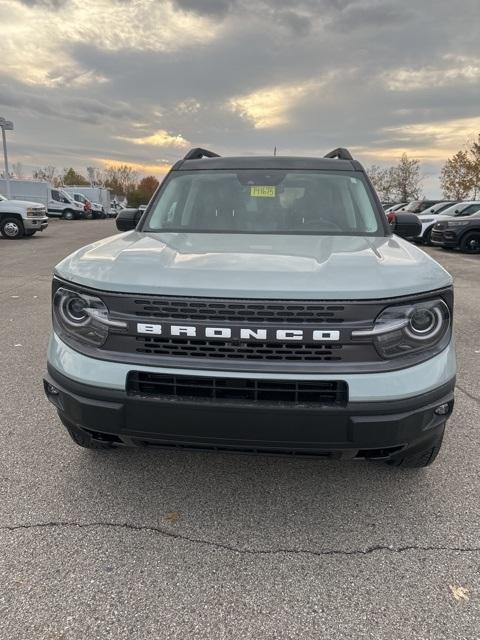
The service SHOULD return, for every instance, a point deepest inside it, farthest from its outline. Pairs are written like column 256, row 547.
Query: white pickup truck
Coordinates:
column 20, row 218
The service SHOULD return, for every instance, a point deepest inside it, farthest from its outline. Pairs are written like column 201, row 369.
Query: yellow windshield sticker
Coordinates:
column 263, row 192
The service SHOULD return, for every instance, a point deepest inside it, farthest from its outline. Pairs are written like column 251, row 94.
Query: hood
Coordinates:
column 21, row 203
column 255, row 266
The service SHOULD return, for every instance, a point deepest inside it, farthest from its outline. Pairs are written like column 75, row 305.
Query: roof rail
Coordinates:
column 197, row 153
column 340, row 153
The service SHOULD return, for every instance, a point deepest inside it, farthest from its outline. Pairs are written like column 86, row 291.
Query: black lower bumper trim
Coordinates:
column 376, row 429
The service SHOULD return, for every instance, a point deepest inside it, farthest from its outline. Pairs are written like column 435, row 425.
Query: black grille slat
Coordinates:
column 251, row 390
column 241, row 310
column 236, row 349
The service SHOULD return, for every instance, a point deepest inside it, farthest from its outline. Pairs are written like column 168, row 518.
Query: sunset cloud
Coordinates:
column 103, row 81
column 159, row 139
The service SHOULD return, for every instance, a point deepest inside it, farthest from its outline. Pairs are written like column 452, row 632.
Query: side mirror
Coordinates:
column 406, row 225
column 127, row 219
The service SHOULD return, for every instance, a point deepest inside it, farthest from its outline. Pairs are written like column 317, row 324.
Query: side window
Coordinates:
column 56, row 195
column 472, row 208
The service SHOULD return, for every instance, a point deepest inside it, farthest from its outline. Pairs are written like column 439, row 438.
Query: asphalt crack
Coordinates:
column 167, row 533
column 467, row 393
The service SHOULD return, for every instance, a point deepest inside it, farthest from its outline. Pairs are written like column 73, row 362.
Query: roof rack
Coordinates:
column 197, row 153
column 340, row 153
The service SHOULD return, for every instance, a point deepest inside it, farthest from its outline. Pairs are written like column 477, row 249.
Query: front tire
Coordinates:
column 68, row 215
column 11, row 228
column 427, row 237
column 419, row 459
column 471, row 242
column 84, row 439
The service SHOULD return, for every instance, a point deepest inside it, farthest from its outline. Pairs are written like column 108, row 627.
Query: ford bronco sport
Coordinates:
column 258, row 304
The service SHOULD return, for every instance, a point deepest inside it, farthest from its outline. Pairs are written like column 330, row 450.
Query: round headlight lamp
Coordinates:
column 73, row 309
column 424, row 323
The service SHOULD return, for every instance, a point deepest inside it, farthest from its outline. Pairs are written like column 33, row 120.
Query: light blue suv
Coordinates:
column 259, row 304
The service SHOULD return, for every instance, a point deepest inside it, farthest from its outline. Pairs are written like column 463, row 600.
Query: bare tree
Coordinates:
column 45, row 173
column 17, row 169
column 382, row 180
column 407, row 179
column 121, row 180
column 96, row 176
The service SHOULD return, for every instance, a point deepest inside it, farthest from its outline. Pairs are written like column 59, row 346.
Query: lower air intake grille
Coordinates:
column 159, row 385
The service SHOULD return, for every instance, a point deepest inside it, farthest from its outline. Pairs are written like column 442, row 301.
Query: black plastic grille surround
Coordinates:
column 248, row 313
column 251, row 390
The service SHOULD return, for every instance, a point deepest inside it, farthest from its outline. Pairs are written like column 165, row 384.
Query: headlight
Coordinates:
column 457, row 223
column 82, row 317
column 427, row 219
column 409, row 329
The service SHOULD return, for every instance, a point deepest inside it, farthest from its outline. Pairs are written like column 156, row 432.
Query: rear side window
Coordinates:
column 262, row 201
column 472, row 208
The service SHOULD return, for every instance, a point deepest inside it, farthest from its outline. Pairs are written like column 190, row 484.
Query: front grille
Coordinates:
column 221, row 310
column 237, row 350
column 249, row 390
column 36, row 213
column 270, row 314
column 437, row 235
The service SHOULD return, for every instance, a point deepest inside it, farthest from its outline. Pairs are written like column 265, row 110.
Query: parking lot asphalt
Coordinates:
column 154, row 544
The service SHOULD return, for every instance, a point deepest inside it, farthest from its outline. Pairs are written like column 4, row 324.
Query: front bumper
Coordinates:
column 37, row 224
column 445, row 238
column 357, row 430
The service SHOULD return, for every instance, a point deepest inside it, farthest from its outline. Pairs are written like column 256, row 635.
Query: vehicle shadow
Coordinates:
column 254, row 502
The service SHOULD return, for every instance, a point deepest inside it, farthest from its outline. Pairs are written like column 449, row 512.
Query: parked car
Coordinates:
column 260, row 304
column 93, row 209
column 418, row 206
column 429, row 217
column 98, row 195
column 459, row 233
column 20, row 218
column 57, row 202
column 395, row 207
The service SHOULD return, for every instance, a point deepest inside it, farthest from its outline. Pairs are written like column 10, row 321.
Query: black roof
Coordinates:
column 202, row 159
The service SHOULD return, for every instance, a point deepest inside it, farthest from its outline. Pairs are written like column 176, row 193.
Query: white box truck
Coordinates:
column 57, row 202
column 97, row 195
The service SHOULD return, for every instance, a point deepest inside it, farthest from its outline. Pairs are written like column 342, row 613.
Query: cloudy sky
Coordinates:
column 96, row 82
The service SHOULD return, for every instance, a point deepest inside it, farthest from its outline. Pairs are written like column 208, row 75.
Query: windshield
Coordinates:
column 265, row 201
column 418, row 205
column 66, row 195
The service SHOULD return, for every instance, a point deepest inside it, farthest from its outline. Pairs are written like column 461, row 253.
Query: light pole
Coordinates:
column 6, row 125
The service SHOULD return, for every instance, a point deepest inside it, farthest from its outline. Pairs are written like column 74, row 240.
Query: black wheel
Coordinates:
column 89, row 216
column 427, row 236
column 471, row 242
column 68, row 214
column 84, row 438
column 419, row 459
column 11, row 228
column 30, row 232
